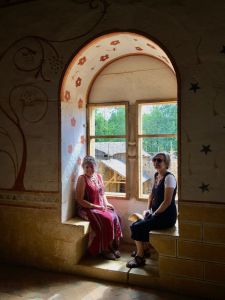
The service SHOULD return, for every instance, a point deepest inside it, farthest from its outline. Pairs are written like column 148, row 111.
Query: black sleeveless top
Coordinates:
column 158, row 197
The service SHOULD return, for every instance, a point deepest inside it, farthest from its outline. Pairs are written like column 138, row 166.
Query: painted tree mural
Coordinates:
column 27, row 104
column 30, row 71
column 34, row 61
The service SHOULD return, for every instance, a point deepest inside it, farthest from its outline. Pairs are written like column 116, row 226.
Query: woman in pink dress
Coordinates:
column 93, row 206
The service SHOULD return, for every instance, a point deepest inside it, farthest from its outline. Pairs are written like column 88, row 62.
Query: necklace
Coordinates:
column 94, row 180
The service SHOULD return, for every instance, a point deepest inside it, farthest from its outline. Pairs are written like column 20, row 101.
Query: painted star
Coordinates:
column 204, row 187
column 223, row 50
column 206, row 149
column 194, row 87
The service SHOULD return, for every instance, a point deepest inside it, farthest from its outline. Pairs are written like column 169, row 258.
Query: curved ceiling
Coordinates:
column 92, row 58
column 132, row 78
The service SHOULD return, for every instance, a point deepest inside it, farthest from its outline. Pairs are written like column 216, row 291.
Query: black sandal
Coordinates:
column 136, row 262
column 147, row 253
column 108, row 255
column 117, row 253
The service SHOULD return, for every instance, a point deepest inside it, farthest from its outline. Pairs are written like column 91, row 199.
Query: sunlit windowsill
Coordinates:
column 116, row 195
column 145, row 198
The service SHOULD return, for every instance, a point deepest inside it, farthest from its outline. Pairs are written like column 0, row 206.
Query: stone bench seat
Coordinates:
column 81, row 229
column 165, row 240
column 77, row 221
column 169, row 232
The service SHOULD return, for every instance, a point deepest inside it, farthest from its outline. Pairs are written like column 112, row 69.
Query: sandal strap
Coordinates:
column 140, row 260
column 136, row 262
column 147, row 253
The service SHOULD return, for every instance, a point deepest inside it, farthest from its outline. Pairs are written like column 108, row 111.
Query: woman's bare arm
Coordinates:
column 105, row 200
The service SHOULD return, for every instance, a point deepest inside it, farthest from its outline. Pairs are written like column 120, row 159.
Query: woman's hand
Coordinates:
column 110, row 206
column 146, row 213
column 102, row 207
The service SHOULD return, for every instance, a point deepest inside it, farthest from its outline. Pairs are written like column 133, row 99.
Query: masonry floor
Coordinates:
column 28, row 283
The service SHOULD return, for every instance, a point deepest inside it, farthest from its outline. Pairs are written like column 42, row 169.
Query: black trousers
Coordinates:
column 140, row 229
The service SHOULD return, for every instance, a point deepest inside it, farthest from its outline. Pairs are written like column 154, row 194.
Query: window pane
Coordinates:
column 109, row 120
column 110, row 155
column 158, row 119
column 149, row 147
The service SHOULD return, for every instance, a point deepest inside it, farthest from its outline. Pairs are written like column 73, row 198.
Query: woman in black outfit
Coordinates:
column 161, row 213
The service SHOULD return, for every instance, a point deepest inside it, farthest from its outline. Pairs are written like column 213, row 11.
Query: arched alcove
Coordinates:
column 80, row 78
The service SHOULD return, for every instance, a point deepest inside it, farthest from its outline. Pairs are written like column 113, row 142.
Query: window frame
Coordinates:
column 140, row 136
column 92, row 105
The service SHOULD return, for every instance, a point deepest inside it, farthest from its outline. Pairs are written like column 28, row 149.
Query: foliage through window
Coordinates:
column 107, row 135
column 157, row 132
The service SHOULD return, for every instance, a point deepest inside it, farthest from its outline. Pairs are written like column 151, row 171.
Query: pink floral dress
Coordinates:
column 105, row 225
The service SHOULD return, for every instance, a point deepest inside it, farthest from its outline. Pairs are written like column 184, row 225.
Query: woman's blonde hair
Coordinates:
column 166, row 156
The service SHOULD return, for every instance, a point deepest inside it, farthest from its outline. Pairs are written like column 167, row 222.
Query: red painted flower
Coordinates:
column 78, row 81
column 104, row 57
column 139, row 48
column 153, row 47
column 67, row 96
column 74, row 176
column 82, row 60
column 115, row 42
column 70, row 148
column 73, row 122
column 82, row 139
column 79, row 161
column 80, row 103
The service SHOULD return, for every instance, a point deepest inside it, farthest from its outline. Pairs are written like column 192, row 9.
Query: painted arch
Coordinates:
column 78, row 78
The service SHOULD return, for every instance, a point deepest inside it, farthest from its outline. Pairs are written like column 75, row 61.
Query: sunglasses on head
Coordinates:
column 158, row 160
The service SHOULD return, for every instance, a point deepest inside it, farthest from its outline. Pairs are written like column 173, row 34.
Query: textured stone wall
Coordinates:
column 39, row 40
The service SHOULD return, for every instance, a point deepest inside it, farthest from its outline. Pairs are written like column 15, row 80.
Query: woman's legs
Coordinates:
column 139, row 259
column 140, row 248
column 140, row 234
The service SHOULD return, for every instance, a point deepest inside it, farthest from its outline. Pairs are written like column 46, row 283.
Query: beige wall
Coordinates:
column 193, row 261
column 30, row 72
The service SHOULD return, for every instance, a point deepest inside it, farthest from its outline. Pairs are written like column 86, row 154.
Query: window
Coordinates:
column 157, row 131
column 107, row 142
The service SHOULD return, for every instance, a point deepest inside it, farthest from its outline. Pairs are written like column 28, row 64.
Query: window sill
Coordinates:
column 118, row 196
